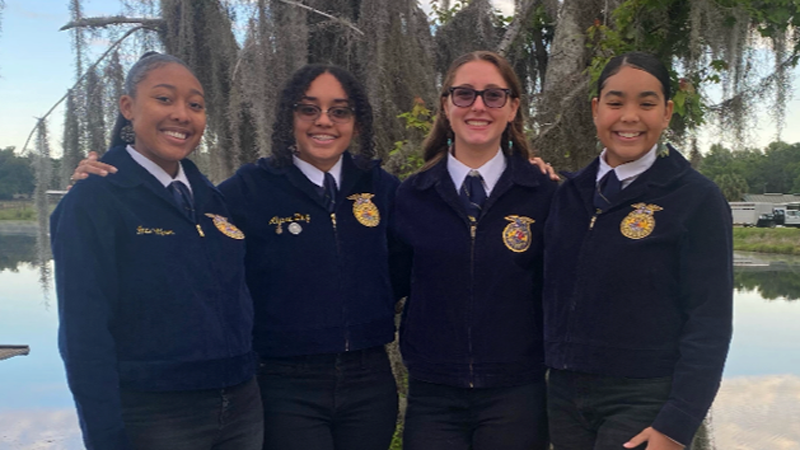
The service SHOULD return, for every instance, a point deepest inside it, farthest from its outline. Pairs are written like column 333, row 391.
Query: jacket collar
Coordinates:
column 351, row 173
column 131, row 175
column 669, row 166
column 518, row 172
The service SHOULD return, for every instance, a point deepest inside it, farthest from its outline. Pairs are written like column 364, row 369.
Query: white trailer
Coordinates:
column 747, row 213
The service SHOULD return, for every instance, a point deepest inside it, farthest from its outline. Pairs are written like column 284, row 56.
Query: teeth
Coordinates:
column 175, row 134
column 323, row 137
column 628, row 134
column 478, row 123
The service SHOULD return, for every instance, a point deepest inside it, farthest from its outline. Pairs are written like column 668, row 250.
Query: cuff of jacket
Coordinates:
column 676, row 424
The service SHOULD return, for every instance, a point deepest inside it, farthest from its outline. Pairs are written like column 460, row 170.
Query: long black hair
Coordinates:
column 283, row 141
column 638, row 60
column 147, row 63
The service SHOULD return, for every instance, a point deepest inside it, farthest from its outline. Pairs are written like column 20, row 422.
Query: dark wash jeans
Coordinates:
column 212, row 419
column 339, row 401
column 441, row 417
column 596, row 412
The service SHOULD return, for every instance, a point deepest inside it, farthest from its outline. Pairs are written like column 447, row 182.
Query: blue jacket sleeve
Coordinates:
column 82, row 239
column 400, row 253
column 706, row 280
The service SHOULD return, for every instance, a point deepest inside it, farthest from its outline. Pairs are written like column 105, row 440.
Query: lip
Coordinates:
column 470, row 123
column 330, row 138
column 167, row 133
column 638, row 135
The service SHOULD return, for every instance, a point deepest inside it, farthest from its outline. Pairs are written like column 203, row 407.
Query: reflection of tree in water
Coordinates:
column 771, row 285
column 16, row 250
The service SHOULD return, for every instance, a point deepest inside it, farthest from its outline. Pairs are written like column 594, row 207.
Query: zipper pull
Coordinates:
column 200, row 230
column 333, row 220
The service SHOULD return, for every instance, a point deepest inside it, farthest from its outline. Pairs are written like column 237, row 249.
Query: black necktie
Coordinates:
column 329, row 192
column 607, row 190
column 473, row 194
column 183, row 198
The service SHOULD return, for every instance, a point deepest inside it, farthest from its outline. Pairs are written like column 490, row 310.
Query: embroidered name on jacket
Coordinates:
column 157, row 231
column 225, row 227
column 640, row 222
column 517, row 234
column 294, row 226
column 364, row 210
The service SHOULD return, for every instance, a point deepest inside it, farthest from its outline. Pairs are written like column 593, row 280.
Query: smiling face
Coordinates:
column 478, row 127
column 630, row 114
column 321, row 142
column 168, row 115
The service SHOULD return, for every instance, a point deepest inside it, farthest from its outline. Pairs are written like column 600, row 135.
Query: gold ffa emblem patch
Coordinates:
column 364, row 210
column 639, row 223
column 225, row 227
column 517, row 234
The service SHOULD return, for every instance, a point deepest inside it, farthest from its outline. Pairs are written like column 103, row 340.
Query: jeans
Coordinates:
column 596, row 412
column 441, row 417
column 212, row 419
column 340, row 401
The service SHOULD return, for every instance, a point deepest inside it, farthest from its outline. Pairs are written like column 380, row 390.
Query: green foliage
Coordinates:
column 419, row 122
column 16, row 176
column 442, row 15
column 775, row 169
column 733, row 186
column 767, row 240
column 19, row 211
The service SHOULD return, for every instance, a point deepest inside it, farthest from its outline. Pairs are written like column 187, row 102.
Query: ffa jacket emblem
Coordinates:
column 365, row 211
column 517, row 234
column 225, row 227
column 639, row 223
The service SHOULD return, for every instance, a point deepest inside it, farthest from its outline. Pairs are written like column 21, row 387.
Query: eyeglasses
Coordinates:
column 310, row 113
column 464, row 97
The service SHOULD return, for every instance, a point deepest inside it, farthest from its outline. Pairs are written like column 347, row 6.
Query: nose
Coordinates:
column 180, row 112
column 323, row 120
column 630, row 114
column 478, row 104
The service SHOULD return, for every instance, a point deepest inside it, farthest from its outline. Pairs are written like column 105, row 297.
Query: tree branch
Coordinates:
column 102, row 22
column 511, row 34
column 112, row 47
column 338, row 19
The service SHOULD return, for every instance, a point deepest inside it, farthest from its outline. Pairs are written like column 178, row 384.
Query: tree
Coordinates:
column 732, row 186
column 16, row 176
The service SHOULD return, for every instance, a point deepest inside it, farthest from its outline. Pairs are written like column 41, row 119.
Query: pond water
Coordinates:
column 758, row 406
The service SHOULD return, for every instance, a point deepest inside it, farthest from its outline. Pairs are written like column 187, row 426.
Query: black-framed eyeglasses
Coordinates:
column 337, row 114
column 464, row 97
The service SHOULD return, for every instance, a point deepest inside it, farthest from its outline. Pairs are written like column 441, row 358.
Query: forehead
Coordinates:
column 172, row 74
column 478, row 74
column 326, row 87
column 632, row 81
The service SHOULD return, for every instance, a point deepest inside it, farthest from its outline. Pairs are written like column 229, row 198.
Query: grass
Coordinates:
column 17, row 211
column 767, row 240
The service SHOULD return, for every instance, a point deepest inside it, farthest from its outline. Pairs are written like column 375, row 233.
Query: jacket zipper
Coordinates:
column 473, row 226
column 338, row 257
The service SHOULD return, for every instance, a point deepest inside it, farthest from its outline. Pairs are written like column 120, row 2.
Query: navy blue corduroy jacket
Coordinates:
column 650, row 305
column 145, row 302
column 473, row 316
column 320, row 281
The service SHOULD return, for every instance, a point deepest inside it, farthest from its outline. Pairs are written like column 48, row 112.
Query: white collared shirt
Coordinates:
column 161, row 175
column 628, row 172
column 317, row 176
column 490, row 171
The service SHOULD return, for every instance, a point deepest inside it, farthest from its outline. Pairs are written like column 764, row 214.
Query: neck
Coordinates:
column 474, row 157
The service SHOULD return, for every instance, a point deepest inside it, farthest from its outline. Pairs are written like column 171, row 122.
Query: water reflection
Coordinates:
column 16, row 250
column 772, row 276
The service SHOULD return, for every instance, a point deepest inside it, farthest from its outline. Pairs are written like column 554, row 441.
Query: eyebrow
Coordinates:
column 488, row 86
column 173, row 88
column 622, row 94
column 336, row 100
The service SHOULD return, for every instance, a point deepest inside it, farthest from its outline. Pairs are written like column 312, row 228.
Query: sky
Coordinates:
column 36, row 69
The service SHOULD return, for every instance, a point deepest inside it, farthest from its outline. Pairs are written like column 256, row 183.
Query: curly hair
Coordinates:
column 435, row 145
column 283, row 129
column 147, row 63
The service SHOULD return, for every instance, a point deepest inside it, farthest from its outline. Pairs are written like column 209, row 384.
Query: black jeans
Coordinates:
column 596, row 412
column 340, row 401
column 441, row 417
column 218, row 419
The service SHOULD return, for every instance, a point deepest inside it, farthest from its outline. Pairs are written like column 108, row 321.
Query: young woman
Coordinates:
column 155, row 317
column 317, row 265
column 316, row 219
column 469, row 227
column 638, row 284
